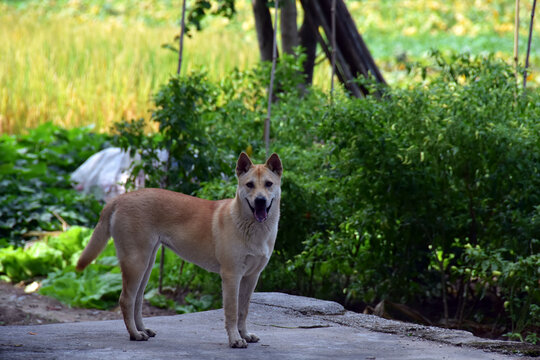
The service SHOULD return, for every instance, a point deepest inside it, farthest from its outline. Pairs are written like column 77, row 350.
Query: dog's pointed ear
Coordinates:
column 274, row 164
column 243, row 164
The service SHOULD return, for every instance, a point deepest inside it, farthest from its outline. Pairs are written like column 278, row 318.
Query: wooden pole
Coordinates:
column 333, row 11
column 271, row 87
column 179, row 68
column 529, row 45
column 182, row 30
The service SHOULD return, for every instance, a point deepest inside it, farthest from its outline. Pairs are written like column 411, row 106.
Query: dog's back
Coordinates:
column 134, row 219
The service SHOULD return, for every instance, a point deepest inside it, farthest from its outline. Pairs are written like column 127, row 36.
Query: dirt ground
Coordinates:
column 20, row 308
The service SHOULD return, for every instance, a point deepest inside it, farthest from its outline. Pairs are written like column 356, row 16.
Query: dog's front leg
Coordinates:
column 247, row 286
column 231, row 284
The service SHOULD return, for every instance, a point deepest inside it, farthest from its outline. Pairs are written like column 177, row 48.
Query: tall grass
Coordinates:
column 74, row 71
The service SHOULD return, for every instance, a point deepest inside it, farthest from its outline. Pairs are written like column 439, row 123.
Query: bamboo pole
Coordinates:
column 353, row 40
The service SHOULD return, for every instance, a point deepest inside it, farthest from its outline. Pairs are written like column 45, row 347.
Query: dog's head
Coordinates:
column 259, row 186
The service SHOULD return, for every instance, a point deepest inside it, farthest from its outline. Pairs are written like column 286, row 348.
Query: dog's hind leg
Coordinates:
column 134, row 277
column 140, row 294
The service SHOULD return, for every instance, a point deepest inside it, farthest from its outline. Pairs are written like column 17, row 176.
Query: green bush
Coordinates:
column 188, row 110
column 516, row 280
column 452, row 160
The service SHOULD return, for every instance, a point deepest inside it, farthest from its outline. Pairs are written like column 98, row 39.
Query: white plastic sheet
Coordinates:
column 105, row 173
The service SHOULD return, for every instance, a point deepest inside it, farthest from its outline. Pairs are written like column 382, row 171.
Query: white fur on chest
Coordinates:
column 240, row 241
column 260, row 246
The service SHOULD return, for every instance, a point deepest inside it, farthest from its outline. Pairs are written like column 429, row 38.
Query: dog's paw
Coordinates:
column 250, row 338
column 238, row 344
column 150, row 332
column 139, row 336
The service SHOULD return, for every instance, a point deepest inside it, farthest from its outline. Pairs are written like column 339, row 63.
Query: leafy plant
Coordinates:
column 35, row 189
column 186, row 287
column 193, row 304
column 40, row 258
column 97, row 287
column 514, row 277
column 19, row 264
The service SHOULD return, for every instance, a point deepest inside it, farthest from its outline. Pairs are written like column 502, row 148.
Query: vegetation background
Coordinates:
column 428, row 197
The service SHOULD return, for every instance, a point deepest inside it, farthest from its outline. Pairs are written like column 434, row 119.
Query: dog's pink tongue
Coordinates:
column 261, row 214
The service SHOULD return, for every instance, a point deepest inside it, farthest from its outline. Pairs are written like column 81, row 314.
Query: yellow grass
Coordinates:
column 75, row 71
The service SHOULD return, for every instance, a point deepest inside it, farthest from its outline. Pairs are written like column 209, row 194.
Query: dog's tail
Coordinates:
column 99, row 238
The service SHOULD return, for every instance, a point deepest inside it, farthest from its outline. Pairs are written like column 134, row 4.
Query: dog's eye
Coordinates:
column 268, row 184
column 250, row 185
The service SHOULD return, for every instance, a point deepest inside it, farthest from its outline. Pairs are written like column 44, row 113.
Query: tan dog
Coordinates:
column 232, row 237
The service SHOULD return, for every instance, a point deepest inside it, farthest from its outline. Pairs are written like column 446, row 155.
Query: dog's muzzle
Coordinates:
column 260, row 211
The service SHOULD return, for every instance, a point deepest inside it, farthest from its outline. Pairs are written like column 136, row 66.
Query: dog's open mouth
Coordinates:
column 260, row 211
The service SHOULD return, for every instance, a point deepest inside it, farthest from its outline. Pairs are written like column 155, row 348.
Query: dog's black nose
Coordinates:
column 260, row 202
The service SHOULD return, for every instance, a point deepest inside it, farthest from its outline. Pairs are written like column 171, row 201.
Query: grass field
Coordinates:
column 75, row 71
column 96, row 62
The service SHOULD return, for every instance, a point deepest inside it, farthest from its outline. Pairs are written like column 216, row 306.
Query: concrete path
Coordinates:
column 290, row 327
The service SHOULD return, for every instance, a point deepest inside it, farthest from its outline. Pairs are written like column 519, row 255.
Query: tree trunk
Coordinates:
column 290, row 35
column 263, row 26
column 353, row 58
column 289, row 30
column 308, row 40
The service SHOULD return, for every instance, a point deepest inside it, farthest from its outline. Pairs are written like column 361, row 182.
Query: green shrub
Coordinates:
column 516, row 280
column 192, row 128
column 452, row 160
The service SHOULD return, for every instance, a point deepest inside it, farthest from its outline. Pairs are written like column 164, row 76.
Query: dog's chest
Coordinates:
column 260, row 242
column 258, row 252
column 254, row 264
